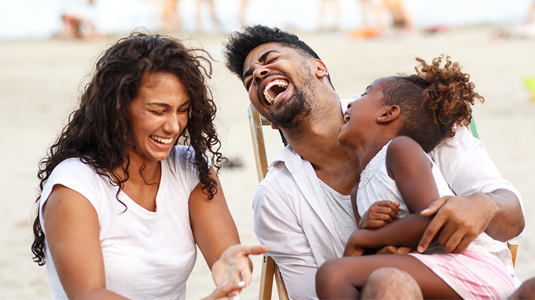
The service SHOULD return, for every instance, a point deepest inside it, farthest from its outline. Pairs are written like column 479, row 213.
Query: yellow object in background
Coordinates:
column 529, row 83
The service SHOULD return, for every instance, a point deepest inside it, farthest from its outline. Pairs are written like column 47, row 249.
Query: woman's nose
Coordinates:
column 172, row 125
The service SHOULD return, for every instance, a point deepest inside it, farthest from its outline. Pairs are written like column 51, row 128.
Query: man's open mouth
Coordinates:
column 274, row 90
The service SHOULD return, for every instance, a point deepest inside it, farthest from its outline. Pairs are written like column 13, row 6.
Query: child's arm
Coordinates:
column 410, row 167
column 378, row 215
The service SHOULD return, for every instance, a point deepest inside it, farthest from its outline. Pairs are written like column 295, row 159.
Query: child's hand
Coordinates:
column 352, row 248
column 379, row 214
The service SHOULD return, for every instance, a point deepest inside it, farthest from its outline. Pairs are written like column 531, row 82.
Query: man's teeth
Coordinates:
column 281, row 83
column 161, row 140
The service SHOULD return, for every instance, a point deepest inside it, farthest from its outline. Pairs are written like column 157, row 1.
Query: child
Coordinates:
column 392, row 127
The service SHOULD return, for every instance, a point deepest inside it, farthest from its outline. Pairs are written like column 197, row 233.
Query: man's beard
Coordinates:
column 298, row 107
column 292, row 114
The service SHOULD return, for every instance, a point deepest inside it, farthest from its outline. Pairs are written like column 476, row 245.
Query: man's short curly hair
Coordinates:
column 241, row 43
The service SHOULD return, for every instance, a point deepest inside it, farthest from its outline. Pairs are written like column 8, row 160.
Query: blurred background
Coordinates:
column 39, row 19
column 48, row 49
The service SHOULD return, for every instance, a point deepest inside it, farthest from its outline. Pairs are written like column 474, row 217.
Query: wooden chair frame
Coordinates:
column 269, row 267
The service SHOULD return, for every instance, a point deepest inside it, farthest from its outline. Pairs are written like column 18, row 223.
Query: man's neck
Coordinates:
column 316, row 141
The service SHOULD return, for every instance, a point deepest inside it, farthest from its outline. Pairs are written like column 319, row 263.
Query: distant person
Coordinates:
column 369, row 29
column 323, row 15
column 368, row 7
column 526, row 29
column 401, row 20
column 170, row 19
column 129, row 190
column 213, row 16
column 78, row 21
column 392, row 127
column 531, row 13
column 242, row 12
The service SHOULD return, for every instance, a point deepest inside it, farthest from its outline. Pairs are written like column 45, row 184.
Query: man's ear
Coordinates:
column 390, row 114
column 321, row 68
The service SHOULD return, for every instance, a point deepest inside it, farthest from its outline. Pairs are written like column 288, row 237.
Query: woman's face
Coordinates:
column 159, row 114
column 362, row 115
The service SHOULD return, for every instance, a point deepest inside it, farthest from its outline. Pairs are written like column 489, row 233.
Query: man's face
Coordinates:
column 280, row 83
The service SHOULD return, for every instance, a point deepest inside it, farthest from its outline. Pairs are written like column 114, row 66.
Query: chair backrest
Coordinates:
column 269, row 267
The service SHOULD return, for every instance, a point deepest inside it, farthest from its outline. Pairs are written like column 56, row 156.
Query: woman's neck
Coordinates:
column 140, row 171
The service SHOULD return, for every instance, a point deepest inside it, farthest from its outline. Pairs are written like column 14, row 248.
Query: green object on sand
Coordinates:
column 473, row 128
column 529, row 82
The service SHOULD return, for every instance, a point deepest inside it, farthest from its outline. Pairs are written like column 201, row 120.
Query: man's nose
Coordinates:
column 260, row 73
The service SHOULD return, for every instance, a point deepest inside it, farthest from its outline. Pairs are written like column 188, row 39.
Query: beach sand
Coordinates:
column 40, row 82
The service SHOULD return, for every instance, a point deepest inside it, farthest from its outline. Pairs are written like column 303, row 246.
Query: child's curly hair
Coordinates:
column 432, row 101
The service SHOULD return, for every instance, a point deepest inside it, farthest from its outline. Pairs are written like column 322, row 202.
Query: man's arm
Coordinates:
column 462, row 218
column 490, row 203
column 277, row 227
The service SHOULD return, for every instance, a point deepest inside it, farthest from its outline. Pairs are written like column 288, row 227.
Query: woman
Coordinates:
column 122, row 207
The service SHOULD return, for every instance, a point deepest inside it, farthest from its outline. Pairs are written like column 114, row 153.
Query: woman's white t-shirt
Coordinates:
column 147, row 254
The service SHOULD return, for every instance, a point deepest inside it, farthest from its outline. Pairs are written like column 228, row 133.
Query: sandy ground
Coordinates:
column 41, row 80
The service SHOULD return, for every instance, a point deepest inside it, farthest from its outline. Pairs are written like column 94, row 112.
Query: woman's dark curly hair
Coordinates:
column 241, row 43
column 98, row 131
column 432, row 101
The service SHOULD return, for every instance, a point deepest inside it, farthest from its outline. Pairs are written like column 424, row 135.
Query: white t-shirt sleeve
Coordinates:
column 466, row 166
column 75, row 175
column 277, row 227
column 182, row 164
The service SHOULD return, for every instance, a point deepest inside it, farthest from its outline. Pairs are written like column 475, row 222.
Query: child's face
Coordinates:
column 362, row 116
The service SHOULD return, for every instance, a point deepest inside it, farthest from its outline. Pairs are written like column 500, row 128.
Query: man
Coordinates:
column 302, row 209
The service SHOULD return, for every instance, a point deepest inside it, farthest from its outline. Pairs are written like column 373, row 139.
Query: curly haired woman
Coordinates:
column 392, row 127
column 123, row 206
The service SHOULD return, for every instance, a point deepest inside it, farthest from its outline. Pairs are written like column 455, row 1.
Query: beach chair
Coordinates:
column 269, row 267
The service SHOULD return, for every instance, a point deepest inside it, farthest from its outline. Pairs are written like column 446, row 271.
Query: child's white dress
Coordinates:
column 479, row 272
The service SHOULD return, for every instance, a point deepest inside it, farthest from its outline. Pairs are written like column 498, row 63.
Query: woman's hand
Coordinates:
column 234, row 266
column 226, row 291
column 379, row 214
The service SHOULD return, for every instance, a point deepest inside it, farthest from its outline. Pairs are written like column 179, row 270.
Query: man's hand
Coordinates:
column 234, row 265
column 460, row 219
column 379, row 214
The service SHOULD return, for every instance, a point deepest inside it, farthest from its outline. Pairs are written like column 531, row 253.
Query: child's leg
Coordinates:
column 340, row 278
column 526, row 290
